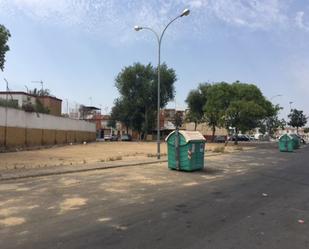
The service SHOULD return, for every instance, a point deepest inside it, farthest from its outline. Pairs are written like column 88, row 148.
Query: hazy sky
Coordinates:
column 77, row 47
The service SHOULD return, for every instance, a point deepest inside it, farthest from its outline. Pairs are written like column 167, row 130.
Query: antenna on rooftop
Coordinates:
column 39, row 82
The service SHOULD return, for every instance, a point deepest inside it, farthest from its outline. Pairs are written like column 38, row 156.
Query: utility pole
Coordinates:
column 6, row 112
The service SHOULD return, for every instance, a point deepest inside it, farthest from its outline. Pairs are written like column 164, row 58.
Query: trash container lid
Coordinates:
column 188, row 136
column 286, row 136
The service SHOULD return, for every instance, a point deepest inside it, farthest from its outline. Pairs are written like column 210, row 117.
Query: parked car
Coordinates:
column 107, row 137
column 219, row 139
column 114, row 138
column 126, row 137
column 239, row 138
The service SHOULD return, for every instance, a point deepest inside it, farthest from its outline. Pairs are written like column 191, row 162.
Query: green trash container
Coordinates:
column 296, row 141
column 286, row 143
column 185, row 150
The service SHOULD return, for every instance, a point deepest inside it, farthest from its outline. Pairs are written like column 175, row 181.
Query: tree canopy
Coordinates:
column 4, row 37
column 239, row 105
column 196, row 101
column 137, row 85
column 297, row 119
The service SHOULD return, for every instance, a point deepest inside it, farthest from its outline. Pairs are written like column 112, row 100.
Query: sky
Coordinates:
column 77, row 47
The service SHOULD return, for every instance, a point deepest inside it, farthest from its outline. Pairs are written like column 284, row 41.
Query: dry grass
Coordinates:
column 91, row 153
column 220, row 149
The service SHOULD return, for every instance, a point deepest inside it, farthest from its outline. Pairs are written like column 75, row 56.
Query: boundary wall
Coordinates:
column 19, row 129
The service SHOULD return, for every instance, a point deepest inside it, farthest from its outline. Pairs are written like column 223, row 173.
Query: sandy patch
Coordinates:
column 117, row 190
column 12, row 221
column 104, row 219
column 6, row 187
column 68, row 182
column 188, row 184
column 72, row 204
column 5, row 212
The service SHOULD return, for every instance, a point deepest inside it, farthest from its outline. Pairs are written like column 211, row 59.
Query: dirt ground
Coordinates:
column 92, row 153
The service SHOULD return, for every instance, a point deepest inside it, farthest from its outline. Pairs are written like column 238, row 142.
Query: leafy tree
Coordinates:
column 111, row 123
column 178, row 119
column 247, row 107
column 297, row 119
column 306, row 130
column 196, row 101
column 121, row 111
column 4, row 37
column 272, row 122
column 218, row 99
column 137, row 85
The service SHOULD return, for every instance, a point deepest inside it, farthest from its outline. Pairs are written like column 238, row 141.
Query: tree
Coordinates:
column 218, row 99
column 196, row 101
column 178, row 120
column 4, row 37
column 272, row 122
column 306, row 130
column 121, row 111
column 297, row 119
column 247, row 107
column 137, row 105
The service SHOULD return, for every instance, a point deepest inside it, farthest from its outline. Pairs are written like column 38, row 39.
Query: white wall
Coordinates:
column 22, row 119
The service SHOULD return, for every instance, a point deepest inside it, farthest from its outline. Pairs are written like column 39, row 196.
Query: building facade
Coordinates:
column 22, row 99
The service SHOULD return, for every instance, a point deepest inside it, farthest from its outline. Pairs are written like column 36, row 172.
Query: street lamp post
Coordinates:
column 6, row 112
column 159, row 37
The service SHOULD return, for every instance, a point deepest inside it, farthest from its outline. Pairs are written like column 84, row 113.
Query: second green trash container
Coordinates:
column 296, row 141
column 190, row 146
column 286, row 143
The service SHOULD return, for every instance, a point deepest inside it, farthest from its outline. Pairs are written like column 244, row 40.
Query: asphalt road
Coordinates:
column 256, row 199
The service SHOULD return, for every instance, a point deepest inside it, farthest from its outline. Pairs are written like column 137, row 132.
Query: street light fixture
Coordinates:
column 159, row 37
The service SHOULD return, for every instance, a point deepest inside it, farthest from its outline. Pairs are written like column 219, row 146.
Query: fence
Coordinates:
column 19, row 128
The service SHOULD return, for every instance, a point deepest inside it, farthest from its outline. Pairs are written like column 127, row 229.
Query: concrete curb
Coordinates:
column 67, row 170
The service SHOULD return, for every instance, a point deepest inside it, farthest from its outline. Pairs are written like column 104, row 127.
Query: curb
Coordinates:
column 49, row 172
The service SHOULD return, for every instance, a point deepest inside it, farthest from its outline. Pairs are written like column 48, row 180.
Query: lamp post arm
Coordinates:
column 160, row 39
column 153, row 31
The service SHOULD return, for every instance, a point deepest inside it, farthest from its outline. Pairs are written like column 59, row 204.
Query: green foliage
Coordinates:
column 111, row 123
column 247, row 107
column 297, row 118
column 238, row 105
column 137, row 105
column 218, row 99
column 4, row 37
column 40, row 92
column 271, row 123
column 40, row 108
column 178, row 120
column 306, row 130
column 196, row 101
column 9, row 103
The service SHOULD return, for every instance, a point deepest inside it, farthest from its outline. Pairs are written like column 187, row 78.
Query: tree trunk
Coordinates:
column 127, row 129
column 146, row 125
column 195, row 125
column 213, row 133
column 236, row 136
